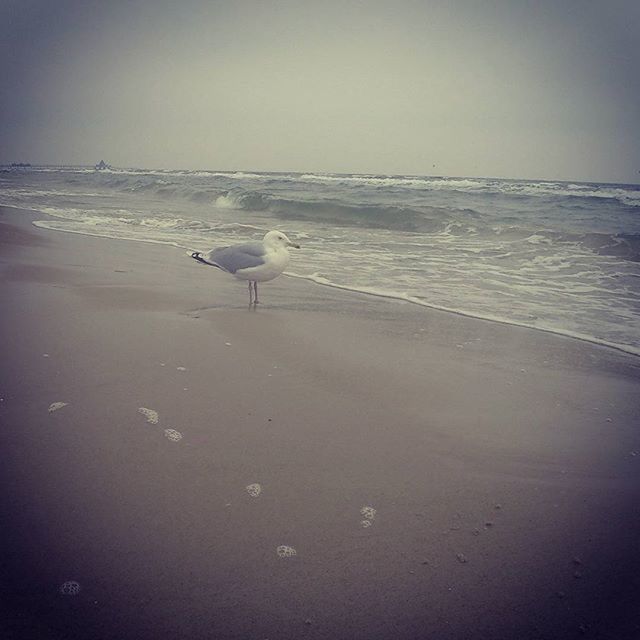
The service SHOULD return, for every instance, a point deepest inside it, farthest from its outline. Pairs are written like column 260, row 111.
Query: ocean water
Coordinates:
column 554, row 256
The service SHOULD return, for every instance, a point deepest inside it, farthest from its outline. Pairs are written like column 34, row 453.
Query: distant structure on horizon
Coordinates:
column 101, row 166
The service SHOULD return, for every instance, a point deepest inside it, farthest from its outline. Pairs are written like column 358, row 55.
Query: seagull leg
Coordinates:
column 250, row 294
column 255, row 289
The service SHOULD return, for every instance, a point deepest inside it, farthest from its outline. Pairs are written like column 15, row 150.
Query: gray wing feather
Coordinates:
column 241, row 256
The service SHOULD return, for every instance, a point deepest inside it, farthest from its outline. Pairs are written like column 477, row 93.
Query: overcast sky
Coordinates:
column 546, row 89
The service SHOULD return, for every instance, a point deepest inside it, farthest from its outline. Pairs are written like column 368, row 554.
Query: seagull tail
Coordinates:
column 196, row 255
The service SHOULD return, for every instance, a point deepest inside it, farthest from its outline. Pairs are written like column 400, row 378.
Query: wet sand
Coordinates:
column 500, row 465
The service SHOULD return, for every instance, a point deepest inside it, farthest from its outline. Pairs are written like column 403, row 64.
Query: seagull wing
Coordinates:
column 240, row 256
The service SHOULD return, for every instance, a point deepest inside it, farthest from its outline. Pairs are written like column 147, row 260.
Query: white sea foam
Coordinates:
column 538, row 239
column 228, row 202
column 480, row 185
column 113, row 235
column 237, row 175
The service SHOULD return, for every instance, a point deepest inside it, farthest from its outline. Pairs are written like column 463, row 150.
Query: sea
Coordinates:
column 562, row 257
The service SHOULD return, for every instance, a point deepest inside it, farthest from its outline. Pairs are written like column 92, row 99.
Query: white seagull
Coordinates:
column 254, row 261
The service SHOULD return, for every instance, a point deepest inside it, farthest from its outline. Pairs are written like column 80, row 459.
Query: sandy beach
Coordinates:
column 328, row 466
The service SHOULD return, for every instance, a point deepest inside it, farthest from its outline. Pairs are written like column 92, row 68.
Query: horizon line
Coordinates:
column 28, row 165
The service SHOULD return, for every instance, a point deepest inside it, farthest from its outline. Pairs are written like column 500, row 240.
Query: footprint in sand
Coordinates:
column 173, row 435
column 70, row 588
column 368, row 512
column 54, row 406
column 149, row 414
column 254, row 490
column 285, row 551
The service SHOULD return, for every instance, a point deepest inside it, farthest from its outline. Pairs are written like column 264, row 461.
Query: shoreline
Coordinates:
column 628, row 350
column 399, row 298
column 498, row 468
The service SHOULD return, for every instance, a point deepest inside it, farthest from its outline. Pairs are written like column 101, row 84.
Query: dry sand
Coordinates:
column 503, row 464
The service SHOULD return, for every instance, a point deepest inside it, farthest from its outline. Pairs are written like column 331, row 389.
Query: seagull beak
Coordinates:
column 293, row 244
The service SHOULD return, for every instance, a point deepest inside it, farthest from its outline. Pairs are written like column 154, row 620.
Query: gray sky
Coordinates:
column 546, row 89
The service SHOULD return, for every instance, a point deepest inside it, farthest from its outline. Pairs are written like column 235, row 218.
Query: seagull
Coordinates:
column 254, row 261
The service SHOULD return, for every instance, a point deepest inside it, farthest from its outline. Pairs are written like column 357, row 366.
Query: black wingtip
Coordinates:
column 196, row 255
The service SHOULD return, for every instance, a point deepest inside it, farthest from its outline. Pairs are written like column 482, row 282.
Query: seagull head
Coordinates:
column 278, row 240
